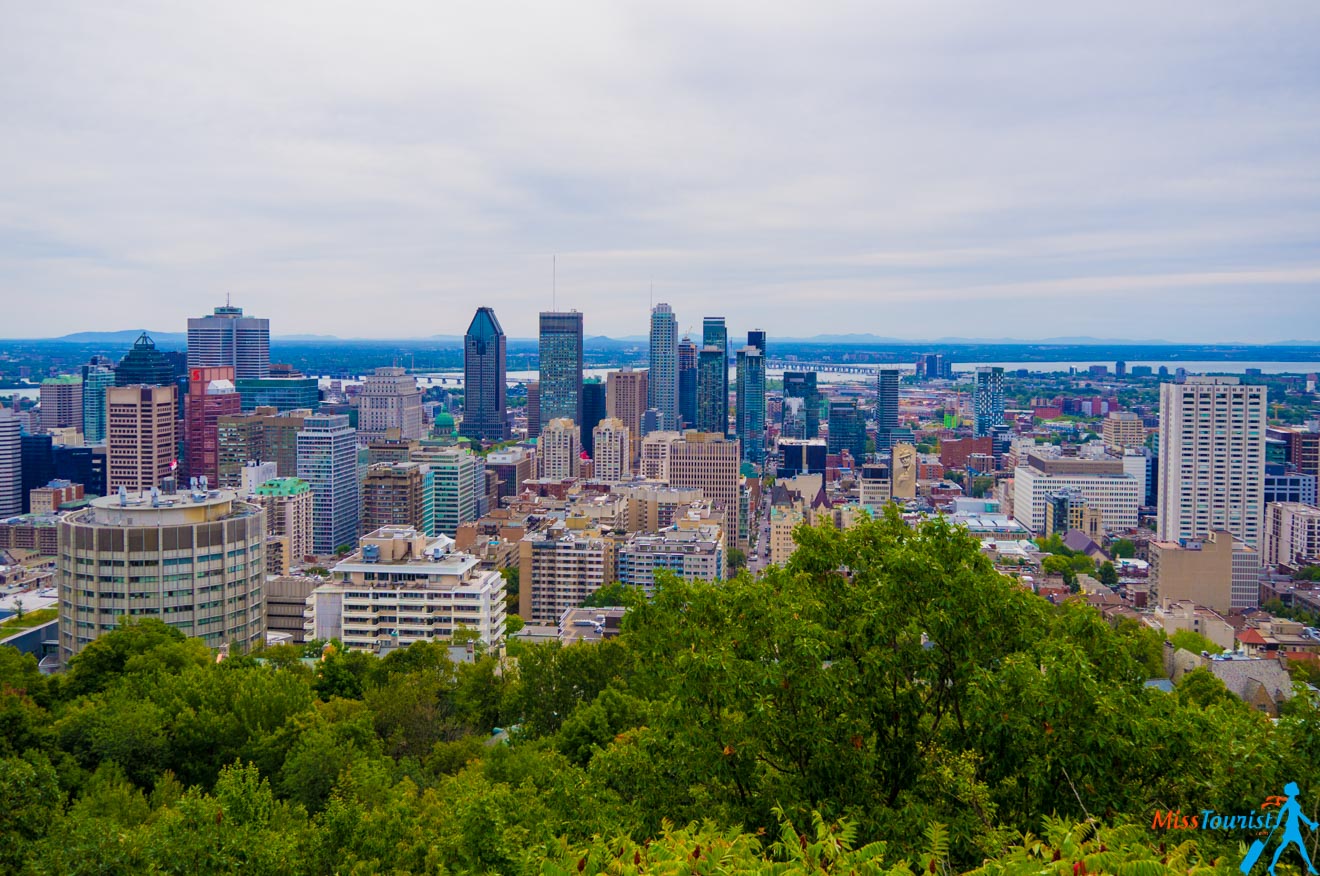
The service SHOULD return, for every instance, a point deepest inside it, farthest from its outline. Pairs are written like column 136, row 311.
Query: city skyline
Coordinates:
column 938, row 170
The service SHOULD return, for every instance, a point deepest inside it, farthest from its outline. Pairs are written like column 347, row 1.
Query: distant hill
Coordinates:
column 125, row 337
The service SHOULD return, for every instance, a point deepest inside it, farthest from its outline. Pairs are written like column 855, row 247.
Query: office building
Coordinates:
column 558, row 568
column 62, row 403
column 687, row 383
column 327, row 461
column 1212, row 458
column 801, row 457
column 485, row 355
column 228, row 338
column 533, row 410
column 1282, row 485
column 709, row 462
column 1216, row 571
column 988, row 399
column 886, row 407
column 561, row 367
column 395, row 494
column 662, row 379
column 390, row 400
column 595, row 407
column 50, row 498
column 1103, row 484
column 38, row 464
column 613, row 444
column 625, row 400
column 96, row 378
column 802, row 385
column 11, row 465
column 1301, row 445
column 280, row 393
column 195, row 560
column 714, row 333
column 1292, row 534
column 211, row 395
column 288, row 506
column 458, row 485
column 512, row 466
column 141, row 440
column 847, row 429
column 256, row 473
column 560, row 449
column 756, row 340
column 694, row 554
column 145, row 365
column 403, row 586
column 1123, row 430
column 264, row 434
column 875, row 485
column 653, row 461
column 750, row 412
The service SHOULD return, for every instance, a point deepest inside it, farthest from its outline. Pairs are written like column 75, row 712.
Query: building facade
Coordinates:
column 802, row 385
column 227, row 337
column 559, row 568
column 1102, row 483
column 847, row 430
column 96, row 380
column 211, row 395
column 280, row 393
column 11, row 464
column 988, row 399
column 560, row 449
column 327, row 461
column 62, row 403
column 613, row 446
column 694, row 554
column 140, row 437
column 625, row 400
column 750, row 412
column 396, row 494
column 144, row 365
column 390, row 400
column 662, row 379
column 1292, row 534
column 886, row 407
column 485, row 356
column 288, row 506
column 560, row 367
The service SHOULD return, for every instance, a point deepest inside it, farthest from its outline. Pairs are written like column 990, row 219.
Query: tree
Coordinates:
column 612, row 595
column 1202, row 688
column 1108, row 574
column 735, row 559
column 140, row 644
column 1056, row 564
column 1123, row 548
column 1194, row 642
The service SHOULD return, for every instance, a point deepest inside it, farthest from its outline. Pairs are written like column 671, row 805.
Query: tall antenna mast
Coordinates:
column 554, row 282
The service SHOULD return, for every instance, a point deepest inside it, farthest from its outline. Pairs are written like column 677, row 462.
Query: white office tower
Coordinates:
column 612, row 447
column 662, row 382
column 1212, row 459
column 560, row 449
column 390, row 399
column 227, row 337
column 327, row 460
column 11, row 464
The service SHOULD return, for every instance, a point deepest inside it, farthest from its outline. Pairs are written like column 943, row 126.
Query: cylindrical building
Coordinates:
column 194, row 559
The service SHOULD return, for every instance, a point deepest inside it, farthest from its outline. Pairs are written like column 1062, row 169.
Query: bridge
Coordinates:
column 833, row 367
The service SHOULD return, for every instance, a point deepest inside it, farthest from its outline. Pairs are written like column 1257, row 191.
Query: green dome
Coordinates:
column 444, row 418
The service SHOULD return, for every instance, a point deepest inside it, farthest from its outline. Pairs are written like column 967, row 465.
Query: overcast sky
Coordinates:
column 1137, row 170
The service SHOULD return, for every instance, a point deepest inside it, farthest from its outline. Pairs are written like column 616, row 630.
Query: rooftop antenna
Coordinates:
column 554, row 282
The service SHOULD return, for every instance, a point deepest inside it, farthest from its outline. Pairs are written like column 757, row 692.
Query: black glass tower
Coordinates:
column 484, row 383
column 561, row 366
column 145, row 364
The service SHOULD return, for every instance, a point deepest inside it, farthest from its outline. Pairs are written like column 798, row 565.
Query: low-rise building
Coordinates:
column 1217, row 572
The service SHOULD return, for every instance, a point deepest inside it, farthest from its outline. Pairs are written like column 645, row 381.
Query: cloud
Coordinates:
column 920, row 169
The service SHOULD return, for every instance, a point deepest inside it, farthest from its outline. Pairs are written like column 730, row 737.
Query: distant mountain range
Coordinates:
column 179, row 340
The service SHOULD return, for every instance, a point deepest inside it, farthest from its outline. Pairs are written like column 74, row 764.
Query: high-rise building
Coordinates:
column 1123, row 430
column 625, row 399
column 227, row 337
column 1292, row 534
column 613, row 458
column 390, row 400
column 195, row 560
column 62, row 403
column 11, row 465
column 561, row 366
column 662, row 381
column 1211, row 459
column 458, row 483
column 97, row 378
column 886, row 407
column 711, row 463
column 281, row 393
column 1216, row 571
column 847, row 429
column 687, row 383
column 403, row 586
column 327, row 460
column 798, row 456
column 484, row 379
column 1301, row 445
column 750, row 412
column 211, row 395
column 37, row 453
column 714, row 333
column 145, row 365
column 988, row 399
column 802, row 384
column 512, row 467
column 595, row 407
column 265, row 434
column 756, row 339
column 141, row 440
column 394, row 494
column 1103, row 484
column 288, row 504
column 560, row 449
column 533, row 410
column 559, row 568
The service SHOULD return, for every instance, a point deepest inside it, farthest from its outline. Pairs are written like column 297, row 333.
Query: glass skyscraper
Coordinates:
column 484, row 383
column 561, row 366
column 751, row 403
column 886, row 407
column 802, row 384
column 687, row 382
column 662, row 381
column 847, row 430
column 144, row 364
column 988, row 401
column 714, row 334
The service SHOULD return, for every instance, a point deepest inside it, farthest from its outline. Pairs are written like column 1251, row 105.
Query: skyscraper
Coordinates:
column 144, row 365
column 390, row 399
column 756, row 338
column 847, row 430
column 211, row 396
column 595, row 407
column 709, row 462
column 687, row 383
column 625, row 399
column 613, row 457
column 886, row 407
column 11, row 464
column 751, row 403
column 561, row 366
column 1212, row 459
column 802, row 384
column 714, row 333
column 662, row 383
column 712, row 390
column 560, row 449
column 327, row 460
column 484, row 383
column 140, row 436
column 227, row 337
column 988, row 399
column 97, row 377
column 61, row 402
